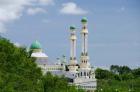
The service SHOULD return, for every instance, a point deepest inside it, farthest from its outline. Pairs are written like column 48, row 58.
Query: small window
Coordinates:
column 87, row 74
column 84, row 73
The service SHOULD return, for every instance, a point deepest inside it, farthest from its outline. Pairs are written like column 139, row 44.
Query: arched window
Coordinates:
column 87, row 74
column 84, row 73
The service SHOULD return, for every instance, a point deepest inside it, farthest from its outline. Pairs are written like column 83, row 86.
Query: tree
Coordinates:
column 124, row 70
column 136, row 72
column 119, row 69
column 53, row 83
column 18, row 72
column 114, row 69
column 103, row 74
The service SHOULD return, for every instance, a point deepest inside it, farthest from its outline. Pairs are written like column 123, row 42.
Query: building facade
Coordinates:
column 81, row 74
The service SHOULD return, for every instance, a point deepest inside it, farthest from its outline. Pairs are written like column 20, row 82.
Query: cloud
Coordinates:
column 33, row 11
column 11, row 10
column 46, row 2
column 72, row 8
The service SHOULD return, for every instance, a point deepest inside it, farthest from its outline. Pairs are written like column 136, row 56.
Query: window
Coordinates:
column 84, row 73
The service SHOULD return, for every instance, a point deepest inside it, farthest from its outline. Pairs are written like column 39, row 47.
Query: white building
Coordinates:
column 82, row 75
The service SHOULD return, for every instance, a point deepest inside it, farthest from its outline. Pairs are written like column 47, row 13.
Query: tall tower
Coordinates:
column 73, row 61
column 84, row 54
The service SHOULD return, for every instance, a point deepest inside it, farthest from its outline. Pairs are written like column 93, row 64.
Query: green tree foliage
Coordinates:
column 114, row 69
column 136, row 72
column 132, row 85
column 18, row 72
column 57, row 84
column 117, row 72
column 103, row 74
column 119, row 69
column 118, row 79
column 124, row 70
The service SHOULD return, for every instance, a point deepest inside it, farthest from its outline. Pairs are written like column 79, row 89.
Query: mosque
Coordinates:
column 80, row 74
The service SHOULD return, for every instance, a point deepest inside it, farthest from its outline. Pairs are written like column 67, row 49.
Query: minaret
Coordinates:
column 73, row 61
column 84, row 54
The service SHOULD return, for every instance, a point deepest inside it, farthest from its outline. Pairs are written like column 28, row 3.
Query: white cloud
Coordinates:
column 72, row 8
column 47, row 2
column 11, row 10
column 33, row 11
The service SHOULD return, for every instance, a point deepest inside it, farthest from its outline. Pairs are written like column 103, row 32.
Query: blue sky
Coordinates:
column 114, row 27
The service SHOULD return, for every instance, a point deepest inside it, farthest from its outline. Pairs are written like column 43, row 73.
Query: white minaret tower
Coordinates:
column 73, row 62
column 84, row 55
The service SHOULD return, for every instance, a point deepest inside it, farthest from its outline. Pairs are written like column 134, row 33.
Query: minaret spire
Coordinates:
column 84, row 34
column 73, row 46
column 73, row 62
column 84, row 53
